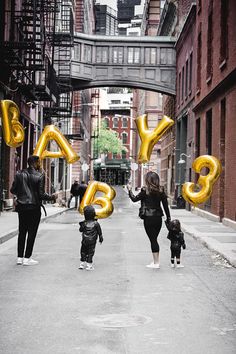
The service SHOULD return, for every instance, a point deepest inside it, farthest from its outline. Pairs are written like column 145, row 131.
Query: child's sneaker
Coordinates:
column 180, row 266
column 89, row 266
column 172, row 265
column 82, row 265
column 19, row 261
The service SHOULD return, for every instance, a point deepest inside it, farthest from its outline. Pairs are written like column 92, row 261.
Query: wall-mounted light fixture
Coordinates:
column 181, row 160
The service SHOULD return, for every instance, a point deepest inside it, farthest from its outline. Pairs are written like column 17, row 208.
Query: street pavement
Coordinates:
column 122, row 306
column 214, row 235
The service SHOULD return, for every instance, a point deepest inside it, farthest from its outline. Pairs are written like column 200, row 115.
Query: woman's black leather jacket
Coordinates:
column 152, row 202
column 29, row 188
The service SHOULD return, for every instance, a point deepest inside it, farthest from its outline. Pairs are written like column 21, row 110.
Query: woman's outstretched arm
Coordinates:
column 136, row 198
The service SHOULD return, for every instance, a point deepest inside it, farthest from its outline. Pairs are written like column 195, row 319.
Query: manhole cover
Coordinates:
column 117, row 320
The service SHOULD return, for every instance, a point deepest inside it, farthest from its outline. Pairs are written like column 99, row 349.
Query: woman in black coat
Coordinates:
column 151, row 198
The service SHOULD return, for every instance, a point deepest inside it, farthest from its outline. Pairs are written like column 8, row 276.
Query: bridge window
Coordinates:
column 87, row 53
column 77, row 51
column 102, row 54
column 133, row 55
column 150, row 56
column 124, row 138
column 115, row 122
column 125, row 122
column 117, row 56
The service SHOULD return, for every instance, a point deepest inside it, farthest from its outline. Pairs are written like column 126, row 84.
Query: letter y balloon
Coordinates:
column 150, row 138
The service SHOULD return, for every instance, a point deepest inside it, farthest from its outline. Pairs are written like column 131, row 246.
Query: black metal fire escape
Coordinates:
column 63, row 42
column 24, row 57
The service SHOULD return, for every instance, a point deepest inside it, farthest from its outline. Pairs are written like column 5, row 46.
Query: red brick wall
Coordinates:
column 119, row 130
column 210, row 97
column 230, row 156
column 218, row 74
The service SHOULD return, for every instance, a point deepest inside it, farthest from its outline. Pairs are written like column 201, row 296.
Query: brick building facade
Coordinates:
column 115, row 168
column 215, row 98
column 205, row 96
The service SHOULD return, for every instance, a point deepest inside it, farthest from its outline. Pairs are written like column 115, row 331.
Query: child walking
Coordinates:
column 91, row 230
column 176, row 238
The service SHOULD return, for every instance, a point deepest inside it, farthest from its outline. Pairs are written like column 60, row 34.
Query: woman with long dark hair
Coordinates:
column 151, row 198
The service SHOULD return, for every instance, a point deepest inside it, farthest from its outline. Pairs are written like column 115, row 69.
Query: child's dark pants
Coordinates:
column 87, row 252
column 175, row 252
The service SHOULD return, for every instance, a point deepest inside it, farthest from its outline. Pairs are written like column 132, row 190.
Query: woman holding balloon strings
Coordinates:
column 151, row 198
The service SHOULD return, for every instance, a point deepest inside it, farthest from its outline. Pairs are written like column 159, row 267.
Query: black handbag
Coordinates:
column 142, row 211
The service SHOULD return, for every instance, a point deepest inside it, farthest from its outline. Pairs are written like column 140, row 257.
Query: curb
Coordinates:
column 232, row 262
column 13, row 233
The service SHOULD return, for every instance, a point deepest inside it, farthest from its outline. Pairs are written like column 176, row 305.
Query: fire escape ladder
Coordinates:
column 63, row 42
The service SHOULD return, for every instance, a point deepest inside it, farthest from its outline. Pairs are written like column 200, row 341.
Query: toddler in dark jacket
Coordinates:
column 91, row 230
column 176, row 238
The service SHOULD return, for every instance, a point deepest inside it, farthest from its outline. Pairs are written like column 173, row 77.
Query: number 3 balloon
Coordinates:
column 206, row 182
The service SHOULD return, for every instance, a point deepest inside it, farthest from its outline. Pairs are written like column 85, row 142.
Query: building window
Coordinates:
column 210, row 46
column 199, row 5
column 133, row 55
column 124, row 138
column 209, row 132
column 182, row 88
column 197, row 137
column 106, row 122
column 224, row 31
column 123, row 154
column 117, row 57
column 114, row 155
column 199, row 60
column 124, row 122
column 190, row 72
column 115, row 122
column 186, row 79
column 179, row 93
column 115, row 102
column 222, row 156
column 102, row 54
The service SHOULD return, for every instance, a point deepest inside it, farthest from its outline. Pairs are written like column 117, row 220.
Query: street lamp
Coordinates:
column 181, row 160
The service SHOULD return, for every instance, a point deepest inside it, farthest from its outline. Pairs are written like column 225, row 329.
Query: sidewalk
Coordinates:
column 215, row 236
column 9, row 221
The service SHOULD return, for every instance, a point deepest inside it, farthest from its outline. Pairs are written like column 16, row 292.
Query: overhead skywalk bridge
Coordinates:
column 139, row 62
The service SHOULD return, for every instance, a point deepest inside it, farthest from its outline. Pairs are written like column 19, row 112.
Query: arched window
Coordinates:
column 124, row 122
column 115, row 122
column 124, row 138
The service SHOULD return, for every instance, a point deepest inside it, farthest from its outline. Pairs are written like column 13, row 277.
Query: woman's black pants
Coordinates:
column 28, row 224
column 152, row 225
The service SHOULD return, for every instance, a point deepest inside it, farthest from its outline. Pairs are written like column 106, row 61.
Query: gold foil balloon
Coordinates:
column 51, row 132
column 206, row 182
column 13, row 131
column 150, row 138
column 104, row 202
